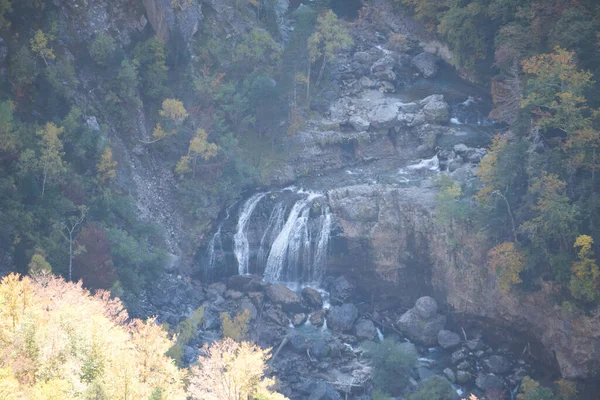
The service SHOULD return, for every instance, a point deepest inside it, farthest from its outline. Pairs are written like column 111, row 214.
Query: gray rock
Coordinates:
column 409, row 107
column 247, row 304
column 365, row 329
column 461, row 149
column 475, row 157
column 312, row 298
column 384, row 63
column 450, row 375
column 362, row 57
column 239, row 282
column 498, row 364
column 233, row 294
column 172, row 263
column 289, row 300
column 459, row 355
column 317, row 319
column 448, row 339
column 367, row 82
column 189, row 354
column 475, row 344
column 341, row 318
column 92, row 123
column 218, row 288
column 462, row 174
column 421, row 330
column 340, row 290
column 426, row 307
column 299, row 319
column 324, row 391
column 454, row 164
column 489, row 382
column 386, row 87
column 435, row 110
column 464, row 365
column 408, row 348
column 257, row 299
column 277, row 316
column 359, row 123
column 426, row 64
column 383, row 116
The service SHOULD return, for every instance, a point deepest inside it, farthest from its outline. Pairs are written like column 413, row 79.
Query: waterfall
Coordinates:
column 273, row 228
column 290, row 246
column 288, row 240
column 240, row 240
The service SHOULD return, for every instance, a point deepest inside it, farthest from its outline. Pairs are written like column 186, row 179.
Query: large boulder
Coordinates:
column 341, row 318
column 317, row 319
column 489, row 382
column 426, row 64
column 498, row 364
column 312, row 298
column 383, row 68
column 277, row 316
column 247, row 305
column 384, row 116
column 288, row 299
column 426, row 307
column 365, row 329
column 435, row 109
column 299, row 319
column 448, row 339
column 422, row 323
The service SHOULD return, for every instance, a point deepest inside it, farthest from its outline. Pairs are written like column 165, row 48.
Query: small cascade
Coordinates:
column 215, row 246
column 320, row 259
column 273, row 228
column 379, row 335
column 240, row 240
column 431, row 164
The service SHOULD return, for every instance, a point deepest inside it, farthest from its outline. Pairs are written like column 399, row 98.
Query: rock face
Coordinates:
column 341, row 318
column 422, row 323
column 166, row 19
column 427, row 64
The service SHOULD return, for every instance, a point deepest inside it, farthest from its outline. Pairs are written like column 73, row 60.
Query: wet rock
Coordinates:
column 448, row 339
column 312, row 298
column 233, row 294
column 435, row 109
column 277, row 316
column 299, row 319
column 318, row 318
column 340, row 290
column 426, row 307
column 489, row 382
column 463, row 377
column 341, row 318
column 365, row 329
column 498, row 364
column 247, row 304
column 461, row 149
column 450, row 375
column 289, row 300
column 459, row 355
column 426, row 64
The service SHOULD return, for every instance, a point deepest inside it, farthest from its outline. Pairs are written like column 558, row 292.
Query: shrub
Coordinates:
column 238, row 328
column 435, row 387
column 102, row 48
column 392, row 365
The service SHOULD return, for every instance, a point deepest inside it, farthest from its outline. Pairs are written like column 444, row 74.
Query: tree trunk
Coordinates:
column 321, row 71
column 44, row 184
column 70, row 256
column 307, row 82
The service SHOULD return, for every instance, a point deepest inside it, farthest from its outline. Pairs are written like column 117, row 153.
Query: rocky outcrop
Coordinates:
column 341, row 318
column 167, row 18
column 422, row 323
column 288, row 300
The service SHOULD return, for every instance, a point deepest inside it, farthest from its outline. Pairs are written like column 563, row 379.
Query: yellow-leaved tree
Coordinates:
column 585, row 280
column 60, row 342
column 229, row 370
column 107, row 167
column 173, row 114
column 199, row 147
column 507, row 262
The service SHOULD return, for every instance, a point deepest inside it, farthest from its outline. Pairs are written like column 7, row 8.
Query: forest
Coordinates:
column 91, row 117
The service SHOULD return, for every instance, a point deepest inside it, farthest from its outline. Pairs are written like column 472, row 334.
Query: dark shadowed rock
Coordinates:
column 448, row 339
column 498, row 364
column 341, row 318
column 257, row 299
column 239, row 282
column 233, row 294
column 489, row 382
column 365, row 329
column 324, row 391
column 459, row 355
column 247, row 304
column 288, row 299
column 426, row 64
column 312, row 298
column 277, row 316
column 318, row 318
column 340, row 290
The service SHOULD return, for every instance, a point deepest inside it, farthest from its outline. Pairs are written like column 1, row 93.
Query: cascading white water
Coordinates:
column 273, row 228
column 283, row 246
column 216, row 242
column 240, row 240
column 320, row 259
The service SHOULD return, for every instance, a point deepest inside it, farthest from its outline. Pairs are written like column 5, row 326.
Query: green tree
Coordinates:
column 330, row 36
column 38, row 264
column 392, row 363
column 151, row 58
column 102, row 48
column 51, row 159
column 5, row 8
column 532, row 390
column 585, row 278
column 257, row 50
column 9, row 142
